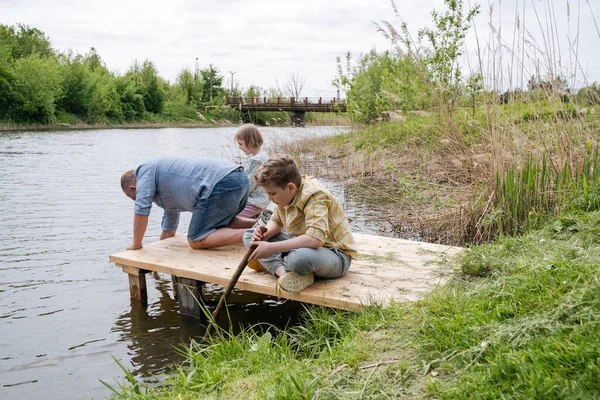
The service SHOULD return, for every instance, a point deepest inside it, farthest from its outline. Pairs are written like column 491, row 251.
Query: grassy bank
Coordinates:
column 519, row 320
column 313, row 119
column 7, row 127
column 459, row 179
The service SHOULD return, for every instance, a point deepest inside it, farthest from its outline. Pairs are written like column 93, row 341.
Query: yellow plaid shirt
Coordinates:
column 316, row 213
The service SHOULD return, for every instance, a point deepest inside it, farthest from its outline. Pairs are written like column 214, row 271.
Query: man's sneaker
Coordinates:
column 263, row 218
column 294, row 282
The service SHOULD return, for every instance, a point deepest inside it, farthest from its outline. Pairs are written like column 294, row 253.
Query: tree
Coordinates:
column 190, row 87
column 17, row 42
column 447, row 43
column 6, row 77
column 252, row 91
column 294, row 85
column 35, row 87
column 384, row 82
column 273, row 92
column 94, row 62
column 212, row 85
column 24, row 41
column 77, row 83
column 149, row 84
column 342, row 80
column 589, row 95
column 154, row 96
column 474, row 87
column 236, row 92
column 132, row 103
column 105, row 101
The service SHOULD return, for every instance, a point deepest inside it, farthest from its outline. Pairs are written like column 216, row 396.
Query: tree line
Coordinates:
column 39, row 84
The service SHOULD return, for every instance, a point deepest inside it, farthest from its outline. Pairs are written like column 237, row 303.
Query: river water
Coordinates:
column 65, row 310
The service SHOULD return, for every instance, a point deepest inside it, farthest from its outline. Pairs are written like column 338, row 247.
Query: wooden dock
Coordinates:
column 387, row 270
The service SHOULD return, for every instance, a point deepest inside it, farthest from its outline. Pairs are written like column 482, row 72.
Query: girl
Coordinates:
column 250, row 141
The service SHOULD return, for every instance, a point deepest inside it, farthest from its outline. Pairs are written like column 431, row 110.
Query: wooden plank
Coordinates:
column 367, row 245
column 132, row 270
column 387, row 270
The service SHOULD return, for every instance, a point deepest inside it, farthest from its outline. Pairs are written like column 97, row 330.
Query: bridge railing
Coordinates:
column 281, row 101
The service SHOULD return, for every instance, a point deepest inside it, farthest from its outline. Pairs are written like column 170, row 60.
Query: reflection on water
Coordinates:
column 64, row 309
column 154, row 334
column 151, row 333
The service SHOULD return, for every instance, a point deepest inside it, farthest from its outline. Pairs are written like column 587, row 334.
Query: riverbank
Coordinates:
column 136, row 125
column 519, row 319
column 315, row 119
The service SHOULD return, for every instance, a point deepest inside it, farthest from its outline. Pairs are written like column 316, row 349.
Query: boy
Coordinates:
column 318, row 240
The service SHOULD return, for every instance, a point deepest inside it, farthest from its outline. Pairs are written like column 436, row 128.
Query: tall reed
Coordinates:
column 526, row 152
column 524, row 194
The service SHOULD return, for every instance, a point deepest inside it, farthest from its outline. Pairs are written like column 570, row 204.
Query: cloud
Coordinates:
column 266, row 40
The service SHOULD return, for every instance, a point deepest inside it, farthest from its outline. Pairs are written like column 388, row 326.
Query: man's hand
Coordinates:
column 140, row 222
column 263, row 250
column 134, row 246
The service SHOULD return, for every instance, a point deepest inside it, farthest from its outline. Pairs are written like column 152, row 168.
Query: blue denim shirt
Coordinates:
column 175, row 184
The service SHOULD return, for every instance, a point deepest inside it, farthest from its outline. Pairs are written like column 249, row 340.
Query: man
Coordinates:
column 215, row 191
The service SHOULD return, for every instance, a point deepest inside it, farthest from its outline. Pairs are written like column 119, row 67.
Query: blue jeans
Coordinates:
column 227, row 199
column 323, row 262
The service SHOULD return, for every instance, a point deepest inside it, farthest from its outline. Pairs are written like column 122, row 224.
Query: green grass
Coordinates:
column 328, row 119
column 395, row 136
column 525, row 196
column 520, row 320
column 529, row 327
column 179, row 112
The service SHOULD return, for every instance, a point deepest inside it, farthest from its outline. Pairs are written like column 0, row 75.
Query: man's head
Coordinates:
column 280, row 178
column 128, row 184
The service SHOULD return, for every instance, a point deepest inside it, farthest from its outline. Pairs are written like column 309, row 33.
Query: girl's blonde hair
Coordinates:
column 250, row 135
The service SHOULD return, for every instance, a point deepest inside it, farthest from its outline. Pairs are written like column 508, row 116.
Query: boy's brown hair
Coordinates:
column 279, row 171
column 250, row 135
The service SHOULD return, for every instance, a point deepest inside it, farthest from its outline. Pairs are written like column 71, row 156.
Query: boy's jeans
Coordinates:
column 324, row 262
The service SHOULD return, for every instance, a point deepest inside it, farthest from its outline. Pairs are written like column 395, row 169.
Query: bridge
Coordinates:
column 296, row 107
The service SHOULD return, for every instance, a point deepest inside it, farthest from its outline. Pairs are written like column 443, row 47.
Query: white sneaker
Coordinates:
column 294, row 282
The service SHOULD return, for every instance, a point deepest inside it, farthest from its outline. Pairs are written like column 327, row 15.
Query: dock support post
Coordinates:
column 137, row 284
column 189, row 294
column 174, row 280
column 298, row 118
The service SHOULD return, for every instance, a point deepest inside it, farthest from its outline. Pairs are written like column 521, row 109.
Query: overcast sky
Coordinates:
column 264, row 41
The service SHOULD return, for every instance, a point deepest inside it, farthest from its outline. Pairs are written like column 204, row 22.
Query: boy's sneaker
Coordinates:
column 256, row 265
column 263, row 218
column 294, row 282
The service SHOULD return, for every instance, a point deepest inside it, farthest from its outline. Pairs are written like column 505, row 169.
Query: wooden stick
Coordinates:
column 229, row 288
column 378, row 363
